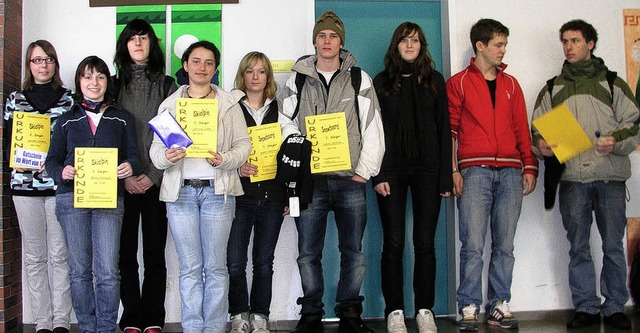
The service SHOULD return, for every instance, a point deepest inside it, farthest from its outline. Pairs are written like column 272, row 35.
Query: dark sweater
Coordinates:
column 115, row 130
column 437, row 159
column 141, row 97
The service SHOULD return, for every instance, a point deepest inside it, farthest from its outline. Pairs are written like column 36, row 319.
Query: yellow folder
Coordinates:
column 560, row 127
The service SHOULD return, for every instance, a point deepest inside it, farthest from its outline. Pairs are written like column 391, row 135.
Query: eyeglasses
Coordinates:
column 38, row 61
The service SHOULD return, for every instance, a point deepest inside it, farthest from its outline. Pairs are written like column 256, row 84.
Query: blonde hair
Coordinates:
column 249, row 60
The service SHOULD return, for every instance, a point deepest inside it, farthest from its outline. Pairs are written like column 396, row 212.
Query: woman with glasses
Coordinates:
column 200, row 194
column 44, row 251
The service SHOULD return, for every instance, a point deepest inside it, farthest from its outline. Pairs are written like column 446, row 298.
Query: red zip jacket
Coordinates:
column 490, row 136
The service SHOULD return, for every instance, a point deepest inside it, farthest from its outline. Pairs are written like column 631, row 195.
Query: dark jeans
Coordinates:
column 347, row 199
column 143, row 308
column 264, row 217
column 426, row 208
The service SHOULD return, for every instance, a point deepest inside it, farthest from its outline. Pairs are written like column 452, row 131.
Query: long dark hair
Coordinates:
column 50, row 51
column 95, row 64
column 122, row 59
column 393, row 61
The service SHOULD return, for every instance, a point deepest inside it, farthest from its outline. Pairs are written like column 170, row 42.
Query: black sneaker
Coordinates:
column 618, row 320
column 583, row 319
column 353, row 325
column 309, row 323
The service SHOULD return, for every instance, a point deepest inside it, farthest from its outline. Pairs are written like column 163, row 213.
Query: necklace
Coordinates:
column 202, row 97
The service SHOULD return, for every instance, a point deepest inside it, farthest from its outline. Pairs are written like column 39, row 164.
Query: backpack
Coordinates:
column 611, row 78
column 356, row 81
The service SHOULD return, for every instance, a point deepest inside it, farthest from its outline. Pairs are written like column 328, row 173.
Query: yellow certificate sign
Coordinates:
column 96, row 181
column 329, row 142
column 560, row 127
column 30, row 137
column 199, row 118
column 265, row 143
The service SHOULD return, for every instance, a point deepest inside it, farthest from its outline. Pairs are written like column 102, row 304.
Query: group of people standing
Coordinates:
column 408, row 130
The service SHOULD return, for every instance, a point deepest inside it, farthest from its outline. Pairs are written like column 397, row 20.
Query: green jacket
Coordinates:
column 583, row 87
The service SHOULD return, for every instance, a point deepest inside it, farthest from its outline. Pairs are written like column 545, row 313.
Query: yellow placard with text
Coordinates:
column 265, row 143
column 199, row 118
column 560, row 127
column 30, row 137
column 329, row 142
column 96, row 182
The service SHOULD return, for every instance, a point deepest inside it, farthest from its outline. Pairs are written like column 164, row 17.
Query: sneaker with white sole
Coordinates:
column 502, row 316
column 259, row 323
column 469, row 321
column 395, row 322
column 426, row 321
column 240, row 323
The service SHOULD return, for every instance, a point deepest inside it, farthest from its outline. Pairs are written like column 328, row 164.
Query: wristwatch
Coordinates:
column 454, row 170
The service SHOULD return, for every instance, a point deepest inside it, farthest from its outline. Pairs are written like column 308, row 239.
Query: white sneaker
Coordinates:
column 395, row 322
column 426, row 322
column 259, row 323
column 240, row 323
column 469, row 321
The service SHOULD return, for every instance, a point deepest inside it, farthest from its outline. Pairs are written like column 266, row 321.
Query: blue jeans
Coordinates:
column 93, row 240
column 577, row 203
column 490, row 197
column 346, row 198
column 200, row 222
column 264, row 217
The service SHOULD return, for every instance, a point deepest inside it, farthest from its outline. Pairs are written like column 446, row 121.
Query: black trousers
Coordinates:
column 426, row 208
column 143, row 308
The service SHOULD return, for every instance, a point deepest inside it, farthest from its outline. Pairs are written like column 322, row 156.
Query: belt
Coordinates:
column 198, row 182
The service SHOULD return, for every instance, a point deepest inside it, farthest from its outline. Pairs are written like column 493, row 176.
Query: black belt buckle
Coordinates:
column 197, row 182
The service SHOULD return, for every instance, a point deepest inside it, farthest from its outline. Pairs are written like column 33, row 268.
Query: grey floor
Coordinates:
column 548, row 322
column 526, row 326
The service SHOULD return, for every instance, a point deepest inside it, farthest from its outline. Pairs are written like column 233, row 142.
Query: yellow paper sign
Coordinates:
column 199, row 118
column 265, row 143
column 282, row 66
column 96, row 181
column 30, row 137
column 560, row 127
column 329, row 142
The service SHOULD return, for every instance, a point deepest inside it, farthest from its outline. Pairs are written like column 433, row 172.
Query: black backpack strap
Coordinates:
column 356, row 82
column 611, row 79
column 550, row 85
column 300, row 80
